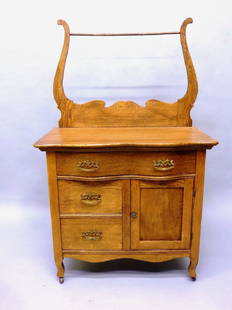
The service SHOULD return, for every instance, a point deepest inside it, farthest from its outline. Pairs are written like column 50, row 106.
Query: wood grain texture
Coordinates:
column 70, row 197
column 128, row 181
column 128, row 252
column 126, row 205
column 125, row 113
column 99, row 138
column 151, row 257
column 105, row 216
column 126, row 177
column 157, row 205
column 163, row 214
column 111, row 230
column 121, row 163
column 197, row 213
column 54, row 209
column 186, row 103
column 63, row 103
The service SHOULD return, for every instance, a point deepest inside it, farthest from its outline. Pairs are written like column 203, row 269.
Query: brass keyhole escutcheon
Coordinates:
column 134, row 215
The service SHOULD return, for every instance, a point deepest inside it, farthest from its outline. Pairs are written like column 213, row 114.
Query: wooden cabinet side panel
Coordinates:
column 187, row 212
column 197, row 208
column 54, row 207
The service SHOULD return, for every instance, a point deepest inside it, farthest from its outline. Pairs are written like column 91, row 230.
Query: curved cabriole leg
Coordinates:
column 192, row 270
column 60, row 271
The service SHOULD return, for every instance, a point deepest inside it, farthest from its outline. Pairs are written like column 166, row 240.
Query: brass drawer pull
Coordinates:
column 90, row 198
column 88, row 165
column 163, row 164
column 91, row 235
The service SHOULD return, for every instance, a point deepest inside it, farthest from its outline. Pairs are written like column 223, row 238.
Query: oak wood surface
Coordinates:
column 111, row 230
column 79, row 138
column 71, row 193
column 163, row 214
column 131, row 251
column 90, row 215
column 197, row 213
column 126, row 208
column 145, row 255
column 54, row 209
column 126, row 181
column 151, row 257
column 125, row 177
column 125, row 113
column 121, row 163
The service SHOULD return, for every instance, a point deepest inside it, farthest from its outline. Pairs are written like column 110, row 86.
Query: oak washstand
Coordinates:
column 126, row 181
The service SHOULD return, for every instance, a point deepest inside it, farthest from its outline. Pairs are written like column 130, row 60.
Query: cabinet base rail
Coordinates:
column 153, row 256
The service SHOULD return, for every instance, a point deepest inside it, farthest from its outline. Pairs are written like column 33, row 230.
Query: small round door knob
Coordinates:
column 133, row 215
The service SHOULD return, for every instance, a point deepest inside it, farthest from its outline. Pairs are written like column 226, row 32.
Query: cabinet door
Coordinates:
column 161, row 214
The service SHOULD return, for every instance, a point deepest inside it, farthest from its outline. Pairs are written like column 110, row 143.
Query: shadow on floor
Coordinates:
column 125, row 267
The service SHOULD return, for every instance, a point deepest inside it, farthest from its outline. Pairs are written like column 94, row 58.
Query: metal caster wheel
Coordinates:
column 193, row 278
column 61, row 280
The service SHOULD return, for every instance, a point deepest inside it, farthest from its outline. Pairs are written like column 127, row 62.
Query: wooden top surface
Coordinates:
column 139, row 137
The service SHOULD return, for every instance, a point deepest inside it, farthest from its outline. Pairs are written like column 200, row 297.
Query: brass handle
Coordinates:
column 163, row 164
column 88, row 165
column 92, row 235
column 134, row 215
column 91, row 198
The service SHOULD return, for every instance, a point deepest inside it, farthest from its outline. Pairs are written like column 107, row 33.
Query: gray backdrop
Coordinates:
column 109, row 69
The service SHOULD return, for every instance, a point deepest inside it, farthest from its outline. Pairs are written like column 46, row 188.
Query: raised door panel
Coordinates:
column 162, row 214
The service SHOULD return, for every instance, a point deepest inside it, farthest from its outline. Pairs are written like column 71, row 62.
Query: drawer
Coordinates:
column 90, row 197
column 125, row 163
column 91, row 234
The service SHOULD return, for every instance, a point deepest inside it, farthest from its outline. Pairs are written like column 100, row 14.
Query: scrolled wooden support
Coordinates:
column 63, row 103
column 185, row 104
column 95, row 113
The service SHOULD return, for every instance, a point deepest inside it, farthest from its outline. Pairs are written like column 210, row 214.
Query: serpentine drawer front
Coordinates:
column 121, row 163
column 126, row 180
